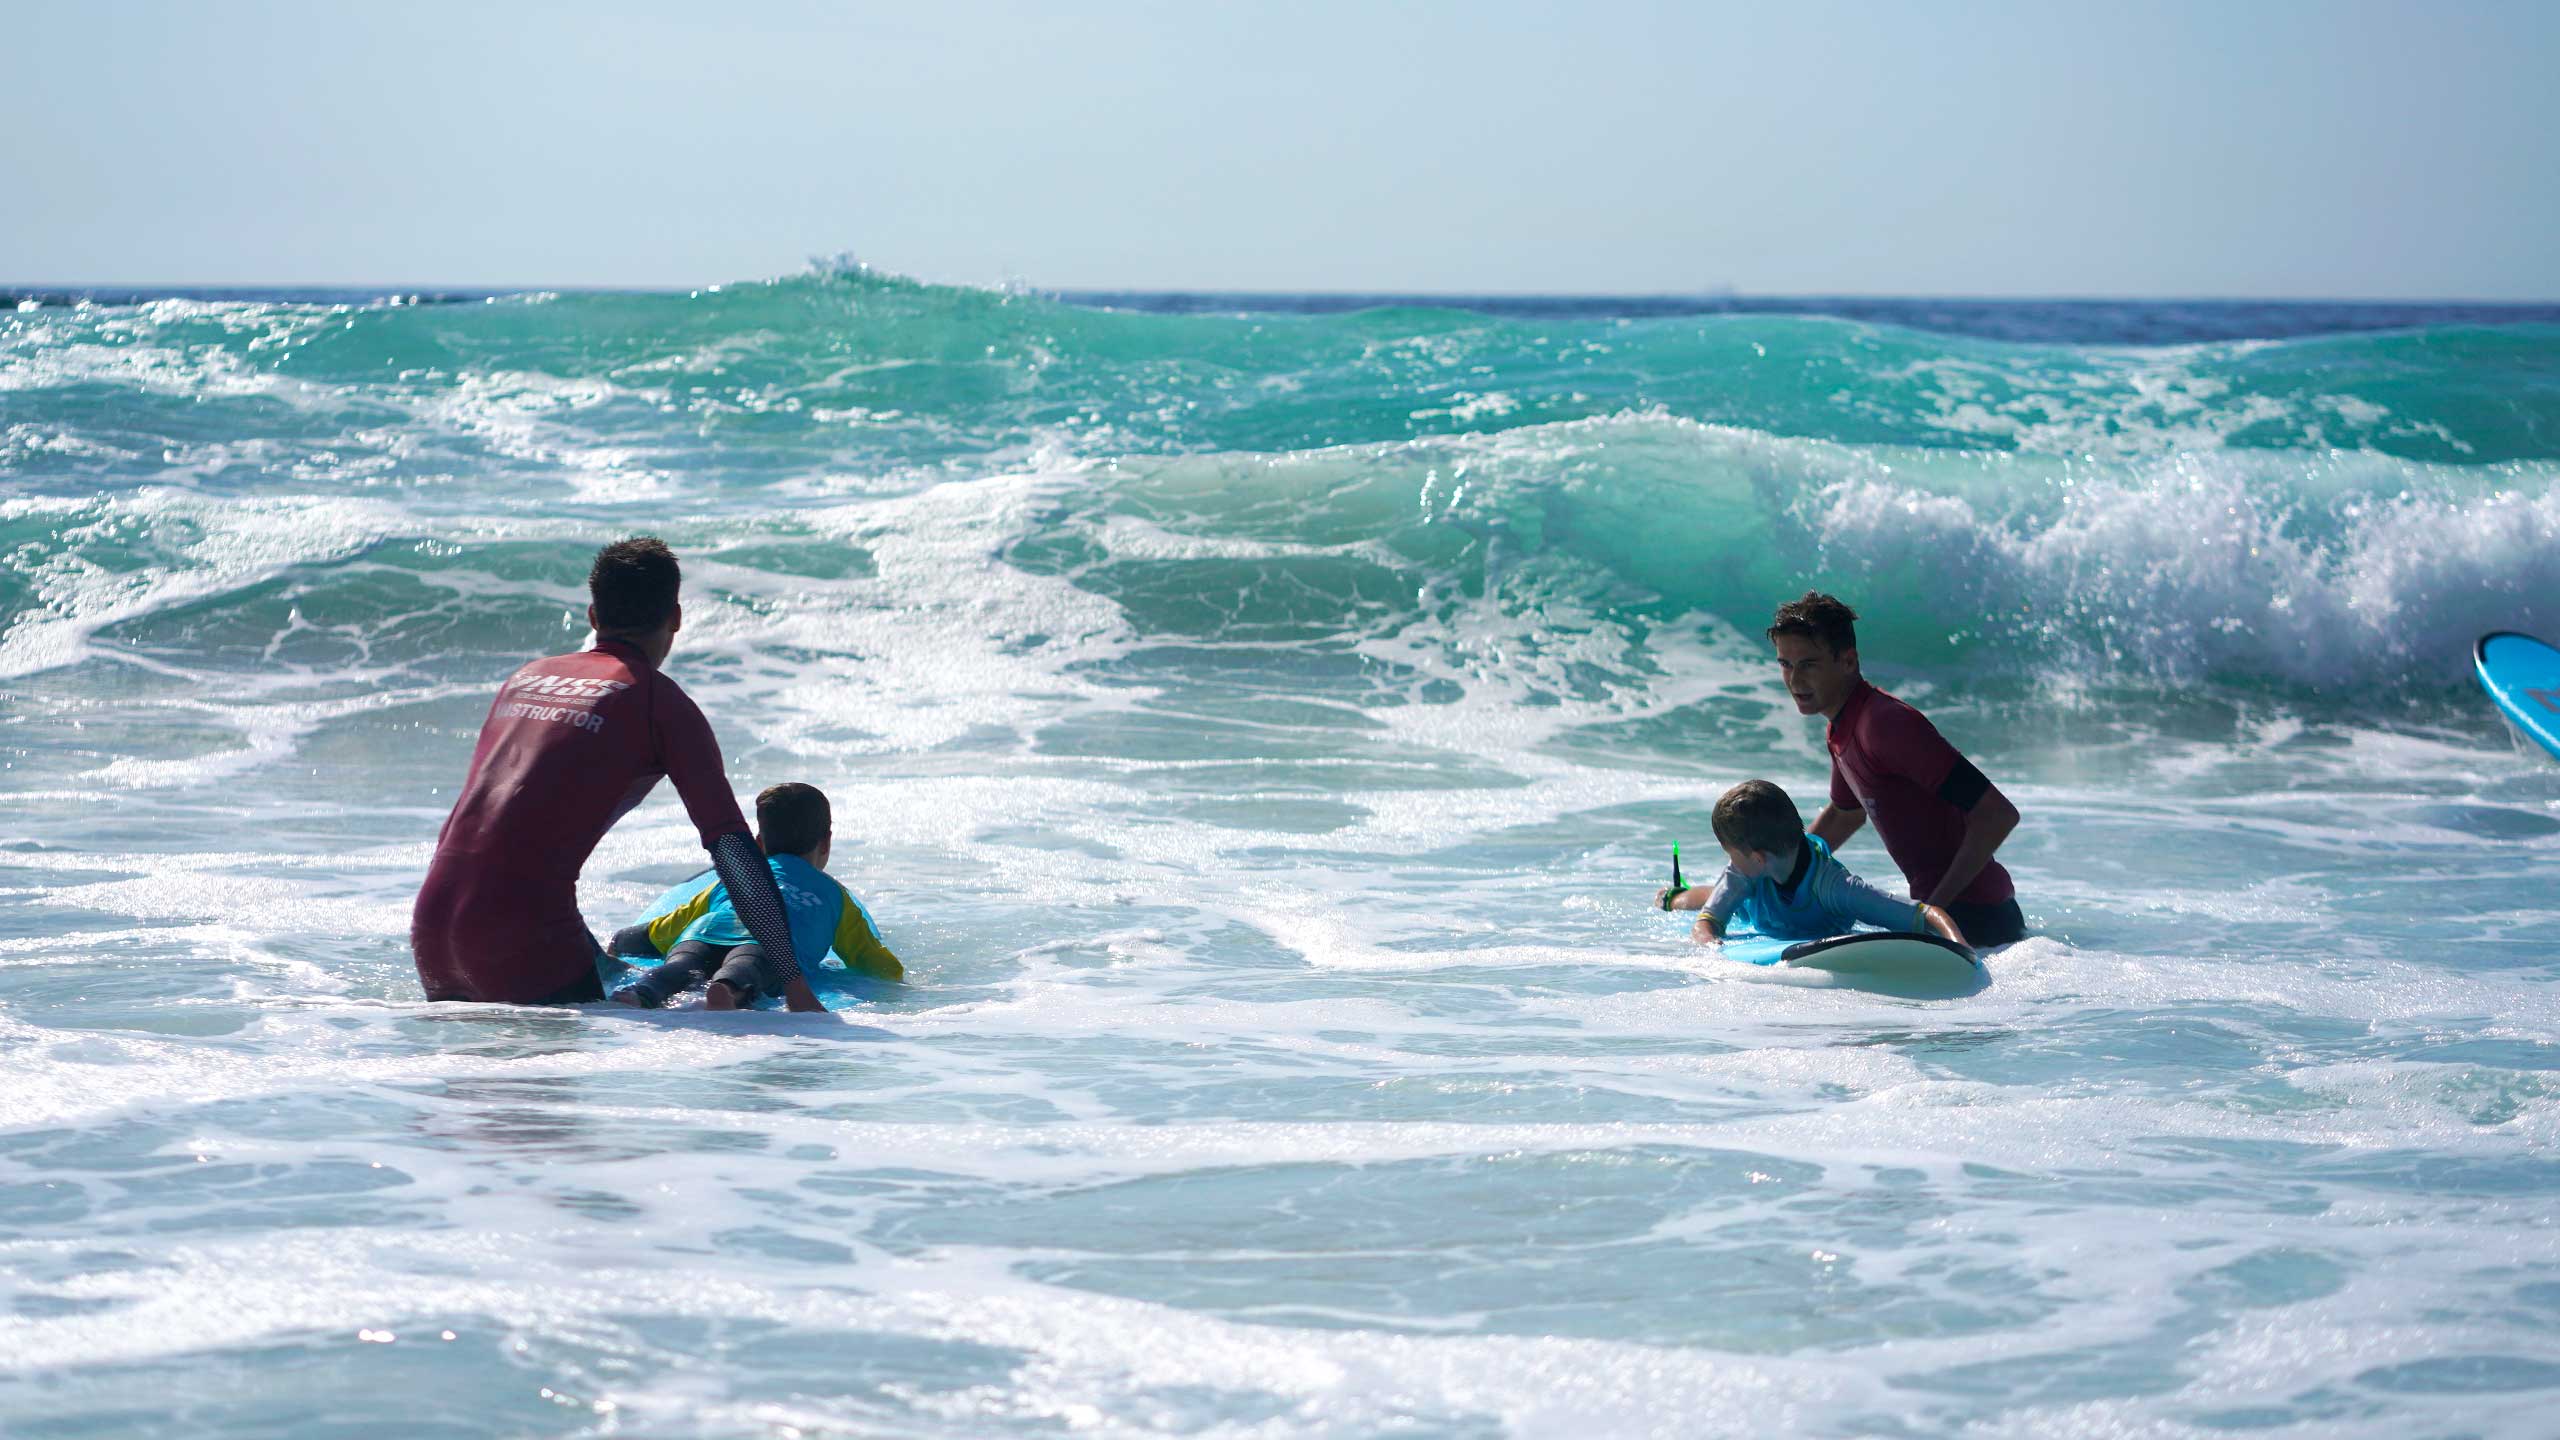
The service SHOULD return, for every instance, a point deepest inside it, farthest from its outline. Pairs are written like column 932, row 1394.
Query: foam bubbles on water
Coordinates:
column 111, row 559
column 1291, row 1049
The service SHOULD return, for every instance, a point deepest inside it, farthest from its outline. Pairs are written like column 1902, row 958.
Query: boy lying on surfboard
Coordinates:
column 705, row 944
column 1785, row 884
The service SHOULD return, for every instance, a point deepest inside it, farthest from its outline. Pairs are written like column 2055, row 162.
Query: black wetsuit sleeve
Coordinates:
column 759, row 905
column 632, row 942
column 1965, row 785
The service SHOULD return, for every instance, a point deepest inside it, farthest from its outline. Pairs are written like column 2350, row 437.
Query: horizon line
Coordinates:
column 40, row 290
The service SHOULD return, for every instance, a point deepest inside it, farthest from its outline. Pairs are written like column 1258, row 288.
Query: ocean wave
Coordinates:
column 1545, row 562
column 2231, row 567
column 1524, row 503
column 854, row 368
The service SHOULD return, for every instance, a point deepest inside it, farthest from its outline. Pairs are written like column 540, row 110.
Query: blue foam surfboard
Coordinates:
column 2523, row 675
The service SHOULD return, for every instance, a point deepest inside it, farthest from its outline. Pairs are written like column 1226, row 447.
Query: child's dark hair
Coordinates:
column 1756, row 815
column 792, row 818
column 634, row 584
column 1817, row 616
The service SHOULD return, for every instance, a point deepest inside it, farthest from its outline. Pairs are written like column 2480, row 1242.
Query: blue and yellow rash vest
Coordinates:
column 824, row 916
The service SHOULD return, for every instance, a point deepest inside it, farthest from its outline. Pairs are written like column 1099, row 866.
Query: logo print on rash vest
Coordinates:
column 576, row 697
column 567, row 689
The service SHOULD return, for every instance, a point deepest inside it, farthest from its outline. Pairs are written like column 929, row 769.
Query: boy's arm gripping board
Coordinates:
column 858, row 944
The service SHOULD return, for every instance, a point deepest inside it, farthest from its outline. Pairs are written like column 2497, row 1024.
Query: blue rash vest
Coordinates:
column 823, row 915
column 1824, row 899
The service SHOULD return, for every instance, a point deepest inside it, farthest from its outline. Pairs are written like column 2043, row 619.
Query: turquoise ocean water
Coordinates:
column 1261, row 726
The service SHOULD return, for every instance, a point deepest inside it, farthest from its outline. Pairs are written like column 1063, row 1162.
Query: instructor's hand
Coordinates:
column 798, row 996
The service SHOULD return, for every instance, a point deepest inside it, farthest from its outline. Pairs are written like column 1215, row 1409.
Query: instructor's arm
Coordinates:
column 1985, row 826
column 1924, row 757
column 1837, row 823
column 691, row 754
column 1841, row 818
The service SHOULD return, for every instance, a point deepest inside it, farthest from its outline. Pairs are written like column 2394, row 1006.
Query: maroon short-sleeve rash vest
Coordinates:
column 1888, row 760
column 571, row 744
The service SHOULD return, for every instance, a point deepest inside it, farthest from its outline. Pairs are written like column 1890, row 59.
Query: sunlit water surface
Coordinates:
column 1262, row 736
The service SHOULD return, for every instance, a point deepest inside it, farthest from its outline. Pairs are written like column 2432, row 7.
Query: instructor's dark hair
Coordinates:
column 1817, row 616
column 792, row 818
column 634, row 584
column 1756, row 815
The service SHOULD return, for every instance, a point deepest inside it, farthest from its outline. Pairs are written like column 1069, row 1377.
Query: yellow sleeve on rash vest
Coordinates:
column 859, row 945
column 664, row 930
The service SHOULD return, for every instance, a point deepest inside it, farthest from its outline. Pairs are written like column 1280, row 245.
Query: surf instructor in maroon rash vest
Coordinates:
column 1939, row 816
column 571, row 744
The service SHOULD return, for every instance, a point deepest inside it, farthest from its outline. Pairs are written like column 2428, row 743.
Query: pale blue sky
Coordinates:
column 2242, row 148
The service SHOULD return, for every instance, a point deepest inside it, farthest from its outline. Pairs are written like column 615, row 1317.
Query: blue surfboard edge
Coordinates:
column 1808, row 949
column 2507, row 690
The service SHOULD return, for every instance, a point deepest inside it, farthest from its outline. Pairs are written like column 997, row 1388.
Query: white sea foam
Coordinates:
column 1290, row 1046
